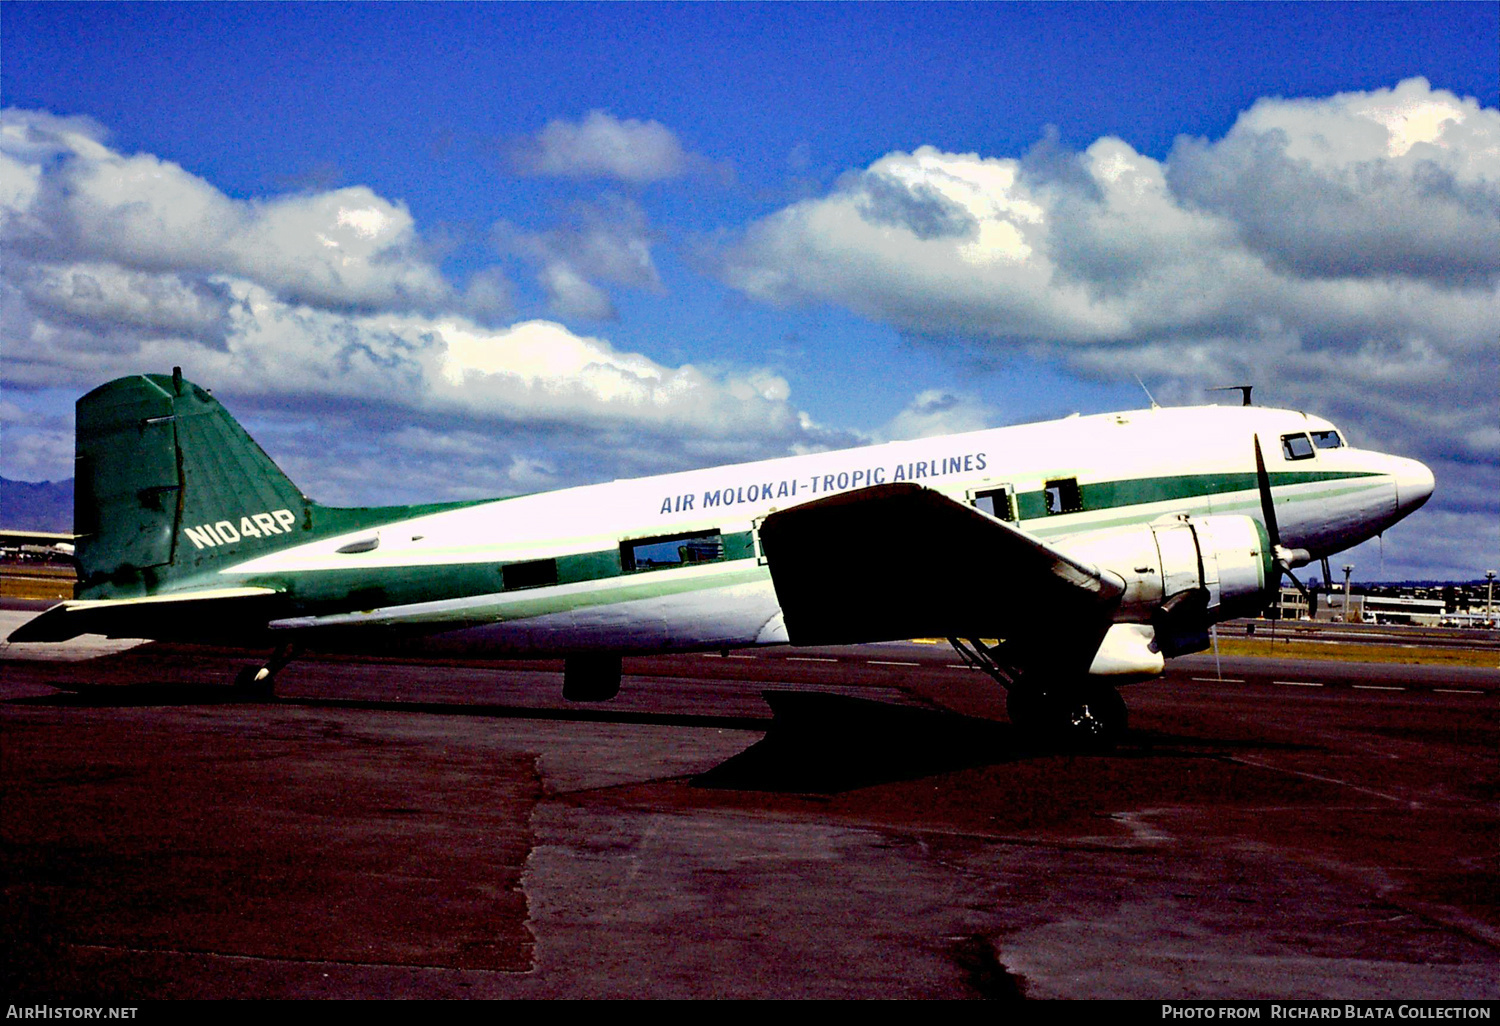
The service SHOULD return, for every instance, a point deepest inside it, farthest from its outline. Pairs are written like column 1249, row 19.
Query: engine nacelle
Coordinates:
column 1183, row 573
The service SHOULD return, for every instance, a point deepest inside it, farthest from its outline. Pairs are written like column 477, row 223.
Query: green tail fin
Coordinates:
column 168, row 486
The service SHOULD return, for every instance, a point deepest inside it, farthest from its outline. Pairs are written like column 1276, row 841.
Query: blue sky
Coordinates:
column 678, row 187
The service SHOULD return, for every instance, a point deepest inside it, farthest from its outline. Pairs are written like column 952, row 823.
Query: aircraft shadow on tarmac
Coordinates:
column 114, row 696
column 815, row 742
column 828, row 743
column 110, row 696
column 824, row 743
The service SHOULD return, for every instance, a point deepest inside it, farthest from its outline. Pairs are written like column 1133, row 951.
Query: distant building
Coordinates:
column 1421, row 612
column 1392, row 609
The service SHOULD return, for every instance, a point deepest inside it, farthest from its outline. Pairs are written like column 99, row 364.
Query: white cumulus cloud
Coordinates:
column 1341, row 252
column 934, row 412
column 68, row 198
column 327, row 301
column 604, row 146
column 608, row 241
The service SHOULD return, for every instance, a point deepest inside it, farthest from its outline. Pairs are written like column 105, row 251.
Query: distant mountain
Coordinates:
column 39, row 506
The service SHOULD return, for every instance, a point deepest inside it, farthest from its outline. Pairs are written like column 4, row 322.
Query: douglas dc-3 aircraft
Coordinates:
column 1062, row 558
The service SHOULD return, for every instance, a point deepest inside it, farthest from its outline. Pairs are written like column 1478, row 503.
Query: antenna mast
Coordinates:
column 1243, row 390
column 1138, row 381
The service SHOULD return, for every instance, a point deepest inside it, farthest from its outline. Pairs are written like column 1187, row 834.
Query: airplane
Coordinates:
column 1064, row 559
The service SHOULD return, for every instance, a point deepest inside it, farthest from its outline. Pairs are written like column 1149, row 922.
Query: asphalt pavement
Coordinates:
column 849, row 822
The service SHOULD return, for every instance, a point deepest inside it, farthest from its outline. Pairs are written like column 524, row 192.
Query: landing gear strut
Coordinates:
column 260, row 681
column 1085, row 715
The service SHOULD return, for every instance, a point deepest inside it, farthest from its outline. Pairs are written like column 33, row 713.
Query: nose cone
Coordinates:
column 1413, row 485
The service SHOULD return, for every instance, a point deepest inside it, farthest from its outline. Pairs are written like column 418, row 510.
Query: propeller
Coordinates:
column 1283, row 558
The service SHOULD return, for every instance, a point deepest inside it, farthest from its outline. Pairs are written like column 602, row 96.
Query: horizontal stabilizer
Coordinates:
column 901, row 561
column 142, row 617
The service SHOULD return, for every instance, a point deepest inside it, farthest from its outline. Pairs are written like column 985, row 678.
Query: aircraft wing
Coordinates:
column 901, row 561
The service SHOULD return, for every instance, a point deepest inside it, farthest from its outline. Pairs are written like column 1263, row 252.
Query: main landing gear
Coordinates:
column 1092, row 716
column 1079, row 714
column 260, row 681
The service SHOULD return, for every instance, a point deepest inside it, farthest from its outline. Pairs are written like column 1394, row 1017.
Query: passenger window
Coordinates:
column 1327, row 439
column 676, row 550
column 995, row 502
column 1062, row 496
column 536, row 573
column 1296, row 447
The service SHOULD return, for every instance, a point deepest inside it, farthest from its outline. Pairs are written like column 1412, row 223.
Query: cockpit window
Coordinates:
column 1327, row 439
column 1296, row 447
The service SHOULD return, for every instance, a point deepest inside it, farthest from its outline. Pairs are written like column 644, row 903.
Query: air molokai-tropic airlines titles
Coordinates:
column 813, row 485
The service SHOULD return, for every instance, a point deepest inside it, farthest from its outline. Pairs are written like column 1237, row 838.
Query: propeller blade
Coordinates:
column 1267, row 503
column 1300, row 586
column 1310, row 596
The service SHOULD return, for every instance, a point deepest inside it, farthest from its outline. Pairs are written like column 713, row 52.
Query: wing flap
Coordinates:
column 901, row 561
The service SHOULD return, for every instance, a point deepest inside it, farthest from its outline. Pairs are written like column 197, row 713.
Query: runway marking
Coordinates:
column 809, row 659
column 1297, row 683
column 1327, row 780
column 960, row 666
column 1220, row 680
column 1375, row 687
column 887, row 662
column 1458, row 691
column 715, row 655
column 1140, row 829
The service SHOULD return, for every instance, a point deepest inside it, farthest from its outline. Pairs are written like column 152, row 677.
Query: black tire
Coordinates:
column 1093, row 720
column 1096, row 719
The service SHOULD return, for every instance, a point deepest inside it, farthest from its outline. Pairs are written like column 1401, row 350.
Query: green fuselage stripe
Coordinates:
column 323, row 592
column 1102, row 495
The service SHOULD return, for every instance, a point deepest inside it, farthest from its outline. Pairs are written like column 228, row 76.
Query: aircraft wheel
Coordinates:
column 1096, row 719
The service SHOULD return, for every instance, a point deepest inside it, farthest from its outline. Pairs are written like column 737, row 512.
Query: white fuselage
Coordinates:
column 1122, row 469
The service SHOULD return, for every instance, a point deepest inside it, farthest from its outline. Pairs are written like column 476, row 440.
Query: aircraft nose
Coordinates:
column 1413, row 484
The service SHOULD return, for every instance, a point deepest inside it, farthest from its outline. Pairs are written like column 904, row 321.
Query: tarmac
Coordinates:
column 842, row 822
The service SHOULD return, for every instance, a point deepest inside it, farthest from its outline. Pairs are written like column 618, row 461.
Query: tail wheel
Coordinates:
column 254, row 682
column 593, row 677
column 260, row 681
